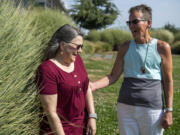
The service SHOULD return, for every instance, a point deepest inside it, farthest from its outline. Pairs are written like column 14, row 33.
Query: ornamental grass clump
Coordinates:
column 19, row 54
column 163, row 34
column 22, row 43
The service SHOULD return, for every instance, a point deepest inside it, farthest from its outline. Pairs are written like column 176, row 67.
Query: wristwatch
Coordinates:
column 169, row 109
column 93, row 115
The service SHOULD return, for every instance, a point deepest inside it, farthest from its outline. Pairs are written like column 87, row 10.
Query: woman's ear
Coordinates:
column 149, row 23
column 61, row 46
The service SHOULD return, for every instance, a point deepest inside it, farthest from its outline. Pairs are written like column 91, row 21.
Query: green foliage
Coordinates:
column 94, row 14
column 176, row 47
column 120, row 37
column 93, row 35
column 96, row 47
column 48, row 21
column 18, row 105
column 115, row 37
column 177, row 36
column 102, row 47
column 107, row 36
column 163, row 34
column 23, row 37
column 171, row 28
column 88, row 47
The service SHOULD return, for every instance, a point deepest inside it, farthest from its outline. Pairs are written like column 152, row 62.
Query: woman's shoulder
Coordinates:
column 163, row 47
column 46, row 66
column 124, row 47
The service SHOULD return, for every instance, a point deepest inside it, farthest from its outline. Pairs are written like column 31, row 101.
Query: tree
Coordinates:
column 171, row 28
column 94, row 14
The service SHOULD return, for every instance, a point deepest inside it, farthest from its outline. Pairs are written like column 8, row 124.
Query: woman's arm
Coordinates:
column 116, row 72
column 166, row 65
column 49, row 103
column 91, row 111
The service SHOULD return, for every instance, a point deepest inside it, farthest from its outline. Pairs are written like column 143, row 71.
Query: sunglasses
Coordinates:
column 77, row 46
column 135, row 21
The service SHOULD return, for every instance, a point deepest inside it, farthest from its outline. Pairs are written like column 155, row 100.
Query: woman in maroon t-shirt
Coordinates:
column 65, row 94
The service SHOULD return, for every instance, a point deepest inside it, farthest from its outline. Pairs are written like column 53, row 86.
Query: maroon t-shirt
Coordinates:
column 71, row 89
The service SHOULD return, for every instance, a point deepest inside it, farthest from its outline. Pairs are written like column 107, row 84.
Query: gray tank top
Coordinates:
column 141, row 92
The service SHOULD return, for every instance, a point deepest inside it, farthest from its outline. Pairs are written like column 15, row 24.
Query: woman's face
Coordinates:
column 72, row 49
column 137, row 24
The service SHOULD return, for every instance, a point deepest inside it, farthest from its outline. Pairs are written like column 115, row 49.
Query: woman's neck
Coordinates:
column 143, row 40
column 60, row 59
column 146, row 38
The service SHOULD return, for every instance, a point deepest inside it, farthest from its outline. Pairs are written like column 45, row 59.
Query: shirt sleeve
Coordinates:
column 47, row 83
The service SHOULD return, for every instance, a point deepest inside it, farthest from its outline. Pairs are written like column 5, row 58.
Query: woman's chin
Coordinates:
column 73, row 58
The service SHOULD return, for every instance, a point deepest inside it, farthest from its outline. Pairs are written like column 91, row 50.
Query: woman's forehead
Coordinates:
column 136, row 14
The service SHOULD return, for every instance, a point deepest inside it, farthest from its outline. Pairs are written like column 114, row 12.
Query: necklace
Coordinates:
column 143, row 68
column 63, row 64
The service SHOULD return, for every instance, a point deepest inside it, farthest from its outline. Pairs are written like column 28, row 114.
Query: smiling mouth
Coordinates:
column 74, row 55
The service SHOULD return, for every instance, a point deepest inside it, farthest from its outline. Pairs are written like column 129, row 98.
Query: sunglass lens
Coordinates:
column 79, row 46
column 135, row 21
column 128, row 22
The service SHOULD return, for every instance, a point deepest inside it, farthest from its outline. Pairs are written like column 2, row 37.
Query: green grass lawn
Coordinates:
column 106, row 98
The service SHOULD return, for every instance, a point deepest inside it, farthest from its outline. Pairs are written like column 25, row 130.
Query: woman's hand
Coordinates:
column 92, row 86
column 167, row 120
column 91, row 126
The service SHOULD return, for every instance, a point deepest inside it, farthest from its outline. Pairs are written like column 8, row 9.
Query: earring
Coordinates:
column 149, row 32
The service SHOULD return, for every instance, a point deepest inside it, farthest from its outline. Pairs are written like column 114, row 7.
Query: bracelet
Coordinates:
column 93, row 115
column 169, row 109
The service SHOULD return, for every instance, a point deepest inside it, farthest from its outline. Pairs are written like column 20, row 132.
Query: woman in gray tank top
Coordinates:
column 147, row 65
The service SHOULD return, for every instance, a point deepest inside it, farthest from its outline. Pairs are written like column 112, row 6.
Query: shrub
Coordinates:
column 88, row 47
column 48, row 21
column 93, row 35
column 163, row 34
column 102, row 46
column 115, row 37
column 22, row 42
column 107, row 36
column 120, row 37
column 177, row 37
column 176, row 47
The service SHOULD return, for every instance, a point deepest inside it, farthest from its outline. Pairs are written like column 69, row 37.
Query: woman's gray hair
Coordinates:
column 65, row 33
column 147, row 11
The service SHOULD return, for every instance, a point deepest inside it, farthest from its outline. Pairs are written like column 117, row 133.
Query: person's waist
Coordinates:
column 147, row 76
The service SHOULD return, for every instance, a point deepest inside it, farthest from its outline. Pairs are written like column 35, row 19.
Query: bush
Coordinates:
column 93, row 35
column 22, row 42
column 120, row 37
column 48, row 21
column 163, row 35
column 115, row 37
column 107, row 36
column 177, row 37
column 102, row 47
column 88, row 47
column 176, row 47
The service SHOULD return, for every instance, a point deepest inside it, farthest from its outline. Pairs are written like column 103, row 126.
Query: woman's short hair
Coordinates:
column 65, row 33
column 147, row 11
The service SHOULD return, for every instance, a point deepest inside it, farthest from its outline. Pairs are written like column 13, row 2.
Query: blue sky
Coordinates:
column 163, row 11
